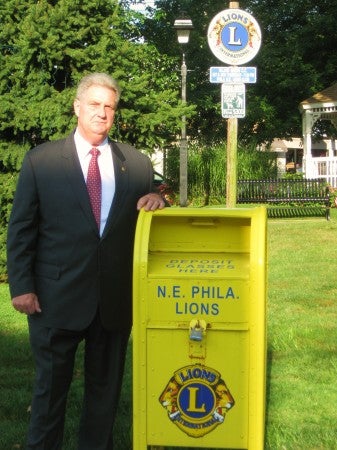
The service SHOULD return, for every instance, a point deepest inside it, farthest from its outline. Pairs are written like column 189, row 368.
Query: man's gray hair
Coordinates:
column 98, row 79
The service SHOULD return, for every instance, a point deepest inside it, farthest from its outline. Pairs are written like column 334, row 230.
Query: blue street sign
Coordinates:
column 233, row 74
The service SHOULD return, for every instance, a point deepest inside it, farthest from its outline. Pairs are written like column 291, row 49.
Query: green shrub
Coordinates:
column 207, row 170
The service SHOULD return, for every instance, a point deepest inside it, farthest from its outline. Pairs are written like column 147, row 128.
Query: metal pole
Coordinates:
column 183, row 141
column 232, row 143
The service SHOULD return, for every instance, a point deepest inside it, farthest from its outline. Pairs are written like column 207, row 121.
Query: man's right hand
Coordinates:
column 26, row 303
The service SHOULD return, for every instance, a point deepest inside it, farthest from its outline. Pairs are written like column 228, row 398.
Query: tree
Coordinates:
column 297, row 58
column 49, row 48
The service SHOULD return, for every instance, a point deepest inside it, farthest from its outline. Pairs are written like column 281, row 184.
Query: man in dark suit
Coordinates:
column 72, row 274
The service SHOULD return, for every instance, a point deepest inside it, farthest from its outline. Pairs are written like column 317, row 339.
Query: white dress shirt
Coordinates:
column 106, row 168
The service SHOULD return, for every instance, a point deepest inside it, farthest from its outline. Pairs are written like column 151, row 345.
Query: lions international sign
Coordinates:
column 196, row 399
column 234, row 36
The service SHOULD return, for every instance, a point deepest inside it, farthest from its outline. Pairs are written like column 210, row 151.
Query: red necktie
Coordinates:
column 94, row 185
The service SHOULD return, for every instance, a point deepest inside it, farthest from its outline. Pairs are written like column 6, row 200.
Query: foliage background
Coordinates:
column 47, row 46
column 207, row 170
column 297, row 58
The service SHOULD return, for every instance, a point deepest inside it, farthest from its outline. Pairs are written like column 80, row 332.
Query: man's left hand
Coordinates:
column 151, row 202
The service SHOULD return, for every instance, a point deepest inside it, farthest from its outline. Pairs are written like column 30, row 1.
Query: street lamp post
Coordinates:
column 183, row 27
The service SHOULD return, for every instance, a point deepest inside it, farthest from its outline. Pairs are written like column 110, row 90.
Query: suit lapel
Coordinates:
column 73, row 171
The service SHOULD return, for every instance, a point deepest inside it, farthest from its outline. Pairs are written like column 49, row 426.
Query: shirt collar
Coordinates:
column 83, row 147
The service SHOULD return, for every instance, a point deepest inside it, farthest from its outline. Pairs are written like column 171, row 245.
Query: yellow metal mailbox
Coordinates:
column 199, row 334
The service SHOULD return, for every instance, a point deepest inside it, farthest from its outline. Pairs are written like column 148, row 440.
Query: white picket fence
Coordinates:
column 322, row 167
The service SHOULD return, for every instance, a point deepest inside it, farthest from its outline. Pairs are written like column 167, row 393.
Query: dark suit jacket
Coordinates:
column 54, row 248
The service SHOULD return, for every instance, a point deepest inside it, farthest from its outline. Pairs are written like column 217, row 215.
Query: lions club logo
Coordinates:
column 234, row 36
column 196, row 399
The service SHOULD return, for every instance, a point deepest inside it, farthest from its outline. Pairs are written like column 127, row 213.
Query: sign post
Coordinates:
column 234, row 37
column 232, row 157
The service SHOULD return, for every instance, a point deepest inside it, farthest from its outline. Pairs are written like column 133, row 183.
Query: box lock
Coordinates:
column 197, row 329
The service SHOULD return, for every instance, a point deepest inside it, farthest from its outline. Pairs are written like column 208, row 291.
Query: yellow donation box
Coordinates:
column 199, row 334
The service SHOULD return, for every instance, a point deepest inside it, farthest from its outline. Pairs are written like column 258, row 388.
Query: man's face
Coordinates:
column 95, row 112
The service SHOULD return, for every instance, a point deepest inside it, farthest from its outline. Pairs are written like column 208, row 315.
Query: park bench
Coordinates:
column 287, row 197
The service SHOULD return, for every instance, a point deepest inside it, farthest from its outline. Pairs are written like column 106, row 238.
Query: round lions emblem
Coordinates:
column 196, row 399
column 234, row 36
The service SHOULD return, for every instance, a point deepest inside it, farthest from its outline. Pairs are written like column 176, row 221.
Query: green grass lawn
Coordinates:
column 302, row 337
column 302, row 349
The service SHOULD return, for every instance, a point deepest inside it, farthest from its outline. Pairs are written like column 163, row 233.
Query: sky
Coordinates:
column 140, row 5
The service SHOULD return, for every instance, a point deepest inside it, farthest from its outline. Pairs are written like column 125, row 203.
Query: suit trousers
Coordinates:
column 54, row 354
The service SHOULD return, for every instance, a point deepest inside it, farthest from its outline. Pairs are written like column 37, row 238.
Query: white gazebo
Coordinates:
column 321, row 106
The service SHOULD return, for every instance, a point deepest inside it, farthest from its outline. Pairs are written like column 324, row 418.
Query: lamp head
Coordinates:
column 183, row 27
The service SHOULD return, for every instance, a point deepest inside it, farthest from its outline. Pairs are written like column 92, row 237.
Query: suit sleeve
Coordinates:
column 22, row 233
